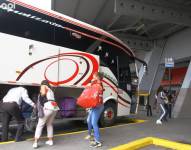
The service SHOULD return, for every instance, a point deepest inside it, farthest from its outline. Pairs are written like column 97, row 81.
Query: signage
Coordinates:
column 169, row 62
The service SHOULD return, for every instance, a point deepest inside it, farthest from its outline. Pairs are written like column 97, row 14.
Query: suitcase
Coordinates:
column 68, row 107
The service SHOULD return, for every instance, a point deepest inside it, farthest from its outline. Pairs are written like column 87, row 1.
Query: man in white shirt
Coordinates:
column 11, row 108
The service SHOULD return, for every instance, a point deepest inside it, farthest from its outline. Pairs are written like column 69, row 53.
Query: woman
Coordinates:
column 161, row 97
column 95, row 113
column 49, row 110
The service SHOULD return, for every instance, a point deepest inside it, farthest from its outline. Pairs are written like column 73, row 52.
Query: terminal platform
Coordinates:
column 71, row 136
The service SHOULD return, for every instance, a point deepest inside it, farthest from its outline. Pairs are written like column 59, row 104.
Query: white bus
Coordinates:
column 37, row 44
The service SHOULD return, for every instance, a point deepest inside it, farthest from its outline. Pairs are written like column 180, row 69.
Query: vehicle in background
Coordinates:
column 39, row 44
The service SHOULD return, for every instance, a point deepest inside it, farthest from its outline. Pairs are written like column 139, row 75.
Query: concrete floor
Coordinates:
column 175, row 129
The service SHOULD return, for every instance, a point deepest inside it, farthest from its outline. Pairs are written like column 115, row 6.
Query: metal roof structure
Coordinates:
column 136, row 22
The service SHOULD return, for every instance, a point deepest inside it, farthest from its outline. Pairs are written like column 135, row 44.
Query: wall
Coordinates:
column 177, row 76
column 148, row 79
column 178, row 46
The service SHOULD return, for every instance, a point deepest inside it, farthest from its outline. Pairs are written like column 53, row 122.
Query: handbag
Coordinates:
column 166, row 100
column 89, row 97
column 31, row 122
column 40, row 108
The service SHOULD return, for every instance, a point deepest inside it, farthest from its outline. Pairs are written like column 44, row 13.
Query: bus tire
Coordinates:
column 108, row 115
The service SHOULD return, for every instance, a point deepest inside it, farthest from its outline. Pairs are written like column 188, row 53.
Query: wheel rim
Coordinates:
column 108, row 114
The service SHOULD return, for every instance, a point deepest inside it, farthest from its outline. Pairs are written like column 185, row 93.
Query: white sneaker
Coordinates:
column 95, row 144
column 49, row 143
column 35, row 145
column 89, row 137
column 158, row 122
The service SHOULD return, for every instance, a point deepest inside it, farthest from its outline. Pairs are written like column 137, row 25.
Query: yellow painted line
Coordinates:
column 61, row 134
column 1, row 143
column 122, row 125
column 84, row 131
column 135, row 144
column 171, row 144
column 140, row 143
column 134, row 121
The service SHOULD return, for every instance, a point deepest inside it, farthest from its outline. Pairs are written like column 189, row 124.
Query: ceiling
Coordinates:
column 137, row 22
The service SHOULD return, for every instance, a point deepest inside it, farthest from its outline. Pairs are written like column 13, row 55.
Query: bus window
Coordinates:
column 125, row 79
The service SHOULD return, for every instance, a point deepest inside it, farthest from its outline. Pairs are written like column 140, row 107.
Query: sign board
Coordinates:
column 169, row 62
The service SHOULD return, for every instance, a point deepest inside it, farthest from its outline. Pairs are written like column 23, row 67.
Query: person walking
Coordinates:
column 171, row 99
column 47, row 110
column 166, row 105
column 95, row 113
column 148, row 106
column 10, row 106
column 161, row 96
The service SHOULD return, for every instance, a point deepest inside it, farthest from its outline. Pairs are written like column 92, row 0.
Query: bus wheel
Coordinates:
column 108, row 115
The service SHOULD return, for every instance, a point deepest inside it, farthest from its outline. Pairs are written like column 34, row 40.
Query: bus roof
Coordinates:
column 110, row 38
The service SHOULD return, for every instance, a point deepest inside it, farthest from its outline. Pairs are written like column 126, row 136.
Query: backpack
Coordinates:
column 68, row 107
column 89, row 97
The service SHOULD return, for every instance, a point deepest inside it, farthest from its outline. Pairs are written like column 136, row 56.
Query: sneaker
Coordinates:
column 95, row 144
column 35, row 145
column 49, row 143
column 89, row 137
column 158, row 122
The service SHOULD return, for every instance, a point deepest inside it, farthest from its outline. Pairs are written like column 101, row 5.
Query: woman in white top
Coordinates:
column 161, row 99
column 50, row 108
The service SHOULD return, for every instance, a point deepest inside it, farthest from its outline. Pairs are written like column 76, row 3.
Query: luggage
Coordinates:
column 68, row 107
column 89, row 97
column 31, row 122
column 26, row 110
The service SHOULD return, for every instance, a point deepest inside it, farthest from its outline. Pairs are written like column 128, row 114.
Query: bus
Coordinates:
column 41, row 44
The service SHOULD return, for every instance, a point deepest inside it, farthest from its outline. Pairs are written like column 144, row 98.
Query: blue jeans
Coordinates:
column 92, row 120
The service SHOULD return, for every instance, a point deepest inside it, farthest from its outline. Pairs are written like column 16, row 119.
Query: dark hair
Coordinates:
column 159, row 89
column 99, row 75
column 45, row 82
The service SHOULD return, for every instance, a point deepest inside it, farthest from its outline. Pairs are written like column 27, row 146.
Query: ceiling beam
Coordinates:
column 125, row 35
column 133, row 26
column 187, row 3
column 149, row 27
column 113, row 21
column 166, row 4
column 52, row 5
column 99, row 12
column 169, row 31
column 77, row 8
column 136, row 42
column 154, row 12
